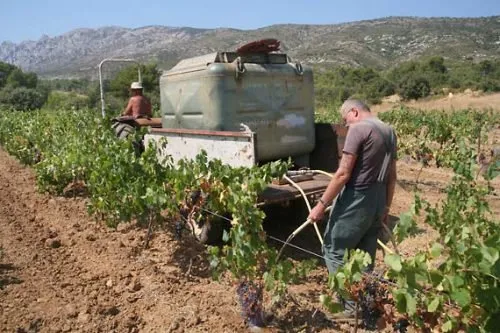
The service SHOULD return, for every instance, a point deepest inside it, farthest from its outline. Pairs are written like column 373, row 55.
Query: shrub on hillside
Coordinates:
column 489, row 85
column 22, row 98
column 414, row 87
column 377, row 89
column 66, row 100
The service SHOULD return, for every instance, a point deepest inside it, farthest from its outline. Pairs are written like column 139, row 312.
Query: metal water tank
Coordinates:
column 267, row 92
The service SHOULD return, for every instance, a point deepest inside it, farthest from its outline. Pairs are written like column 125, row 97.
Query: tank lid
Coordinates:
column 229, row 57
column 199, row 61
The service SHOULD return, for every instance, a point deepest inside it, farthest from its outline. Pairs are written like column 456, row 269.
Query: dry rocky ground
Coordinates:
column 61, row 271
column 457, row 101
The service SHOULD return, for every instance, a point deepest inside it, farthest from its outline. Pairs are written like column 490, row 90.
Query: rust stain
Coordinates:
column 201, row 132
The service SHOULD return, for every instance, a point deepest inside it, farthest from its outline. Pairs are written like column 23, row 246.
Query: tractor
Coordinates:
column 245, row 107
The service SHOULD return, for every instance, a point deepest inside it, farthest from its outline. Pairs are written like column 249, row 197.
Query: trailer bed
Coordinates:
column 282, row 193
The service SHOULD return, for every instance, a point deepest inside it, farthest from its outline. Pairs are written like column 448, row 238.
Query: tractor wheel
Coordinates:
column 210, row 232
column 123, row 130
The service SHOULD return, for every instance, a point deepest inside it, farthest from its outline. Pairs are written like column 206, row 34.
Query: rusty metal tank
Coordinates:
column 267, row 92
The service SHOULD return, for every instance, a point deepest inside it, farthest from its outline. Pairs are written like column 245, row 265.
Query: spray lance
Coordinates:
column 329, row 208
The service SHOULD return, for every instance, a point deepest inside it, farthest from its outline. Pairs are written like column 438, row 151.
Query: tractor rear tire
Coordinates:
column 123, row 130
column 211, row 231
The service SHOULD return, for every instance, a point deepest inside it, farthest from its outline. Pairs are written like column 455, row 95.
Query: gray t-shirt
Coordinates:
column 365, row 141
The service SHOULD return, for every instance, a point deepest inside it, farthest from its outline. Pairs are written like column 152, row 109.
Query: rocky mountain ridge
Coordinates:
column 377, row 43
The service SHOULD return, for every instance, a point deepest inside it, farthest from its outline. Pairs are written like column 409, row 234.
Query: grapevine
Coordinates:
column 435, row 136
column 124, row 186
column 452, row 285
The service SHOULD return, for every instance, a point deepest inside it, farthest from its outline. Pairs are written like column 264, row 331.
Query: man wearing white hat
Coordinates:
column 138, row 105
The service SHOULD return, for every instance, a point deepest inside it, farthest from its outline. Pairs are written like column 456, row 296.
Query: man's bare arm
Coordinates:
column 391, row 183
column 128, row 110
column 339, row 179
column 149, row 113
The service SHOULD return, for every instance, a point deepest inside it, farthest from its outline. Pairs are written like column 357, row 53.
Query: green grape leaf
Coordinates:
column 393, row 261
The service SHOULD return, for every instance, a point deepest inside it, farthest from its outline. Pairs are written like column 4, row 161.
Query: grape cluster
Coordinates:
column 250, row 297
column 179, row 226
column 368, row 301
column 401, row 326
column 195, row 196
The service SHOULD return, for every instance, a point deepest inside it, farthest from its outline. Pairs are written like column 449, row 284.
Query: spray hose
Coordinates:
column 294, row 184
column 308, row 221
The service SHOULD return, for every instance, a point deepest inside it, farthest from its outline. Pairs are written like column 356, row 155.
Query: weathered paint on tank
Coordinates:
column 275, row 100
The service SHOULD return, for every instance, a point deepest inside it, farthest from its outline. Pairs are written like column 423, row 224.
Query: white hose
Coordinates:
column 323, row 173
column 385, row 227
column 295, row 232
column 331, row 207
column 294, row 184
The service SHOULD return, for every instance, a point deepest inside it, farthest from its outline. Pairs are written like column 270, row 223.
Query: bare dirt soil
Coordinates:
column 61, row 271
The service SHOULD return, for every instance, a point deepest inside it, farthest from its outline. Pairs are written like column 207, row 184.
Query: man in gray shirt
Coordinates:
column 365, row 180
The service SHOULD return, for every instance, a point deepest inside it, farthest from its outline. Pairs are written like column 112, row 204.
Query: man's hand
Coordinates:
column 317, row 213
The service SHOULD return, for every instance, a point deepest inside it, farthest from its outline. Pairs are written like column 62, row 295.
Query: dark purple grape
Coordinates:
column 195, row 196
column 368, row 304
column 250, row 298
column 401, row 326
column 178, row 229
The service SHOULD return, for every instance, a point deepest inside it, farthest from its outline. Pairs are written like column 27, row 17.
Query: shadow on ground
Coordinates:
column 6, row 277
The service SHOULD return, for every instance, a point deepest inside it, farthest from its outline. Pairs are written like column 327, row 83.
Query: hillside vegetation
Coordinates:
column 410, row 80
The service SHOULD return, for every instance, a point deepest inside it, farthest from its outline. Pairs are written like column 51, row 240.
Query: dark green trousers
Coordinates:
column 354, row 224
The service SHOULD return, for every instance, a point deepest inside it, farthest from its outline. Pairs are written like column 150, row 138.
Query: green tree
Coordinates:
column 66, row 100
column 80, row 86
column 398, row 73
column 489, row 85
column 486, row 68
column 23, row 99
column 377, row 88
column 16, row 79
column 94, row 94
column 436, row 64
column 332, row 88
column 119, row 86
column 414, row 87
column 30, row 80
column 5, row 70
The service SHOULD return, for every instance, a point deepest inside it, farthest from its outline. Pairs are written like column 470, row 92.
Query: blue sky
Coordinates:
column 30, row 19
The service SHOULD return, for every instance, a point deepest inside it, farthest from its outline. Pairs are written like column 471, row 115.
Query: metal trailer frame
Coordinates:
column 235, row 148
column 239, row 149
column 101, row 87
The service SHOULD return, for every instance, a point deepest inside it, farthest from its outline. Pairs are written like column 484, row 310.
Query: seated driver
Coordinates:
column 138, row 105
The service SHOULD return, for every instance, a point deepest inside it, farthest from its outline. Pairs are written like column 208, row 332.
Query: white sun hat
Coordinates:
column 136, row 85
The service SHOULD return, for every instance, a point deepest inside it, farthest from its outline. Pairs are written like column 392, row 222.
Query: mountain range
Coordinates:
column 378, row 43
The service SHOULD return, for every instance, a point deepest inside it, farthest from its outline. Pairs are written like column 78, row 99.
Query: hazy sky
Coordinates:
column 30, row 19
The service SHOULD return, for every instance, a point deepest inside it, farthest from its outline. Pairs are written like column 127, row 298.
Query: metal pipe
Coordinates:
column 103, row 113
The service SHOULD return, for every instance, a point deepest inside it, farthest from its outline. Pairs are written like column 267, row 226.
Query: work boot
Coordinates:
column 346, row 314
column 349, row 313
